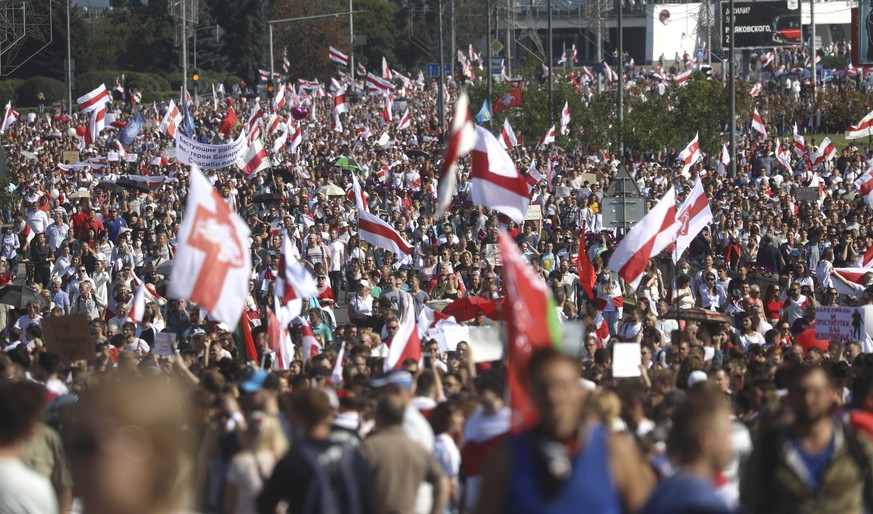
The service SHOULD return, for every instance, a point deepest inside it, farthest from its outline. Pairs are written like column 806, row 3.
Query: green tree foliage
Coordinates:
column 245, row 36
column 308, row 41
column 379, row 24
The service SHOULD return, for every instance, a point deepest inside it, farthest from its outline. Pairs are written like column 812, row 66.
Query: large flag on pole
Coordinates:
column 496, row 182
column 337, row 56
column 213, row 261
column 692, row 217
column 462, row 138
column 507, row 136
column 10, row 116
column 405, row 343
column 864, row 128
column 864, row 183
column 690, row 155
column 294, row 282
column 94, row 100
column 645, row 240
column 531, row 325
column 380, row 234
column 758, row 125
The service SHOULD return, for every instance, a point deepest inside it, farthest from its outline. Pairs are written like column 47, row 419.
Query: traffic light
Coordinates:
column 195, row 77
column 269, row 86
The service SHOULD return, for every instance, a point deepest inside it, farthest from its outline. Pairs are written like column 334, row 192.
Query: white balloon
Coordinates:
column 55, row 193
column 71, row 132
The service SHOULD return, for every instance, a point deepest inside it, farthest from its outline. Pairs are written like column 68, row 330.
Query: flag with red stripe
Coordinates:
column 405, row 343
column 495, row 181
column 380, row 234
column 462, row 138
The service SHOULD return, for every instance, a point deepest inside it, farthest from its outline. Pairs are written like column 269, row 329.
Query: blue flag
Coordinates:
column 130, row 131
column 484, row 113
column 187, row 126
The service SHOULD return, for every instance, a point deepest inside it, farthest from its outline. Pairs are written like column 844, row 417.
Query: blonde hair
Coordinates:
column 270, row 436
column 607, row 406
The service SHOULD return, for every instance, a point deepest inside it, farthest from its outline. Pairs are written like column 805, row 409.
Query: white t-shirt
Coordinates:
column 337, row 249
column 447, row 455
column 248, row 471
column 24, row 491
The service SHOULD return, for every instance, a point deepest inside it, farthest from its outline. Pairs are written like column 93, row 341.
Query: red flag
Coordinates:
column 587, row 275
column 248, row 340
column 229, row 122
column 405, row 344
column 462, row 139
column 311, row 346
column 532, row 325
column 511, row 98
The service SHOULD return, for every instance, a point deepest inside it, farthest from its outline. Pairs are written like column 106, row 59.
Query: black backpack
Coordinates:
column 333, row 488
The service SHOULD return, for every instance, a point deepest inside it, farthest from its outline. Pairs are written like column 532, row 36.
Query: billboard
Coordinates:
column 762, row 24
column 865, row 32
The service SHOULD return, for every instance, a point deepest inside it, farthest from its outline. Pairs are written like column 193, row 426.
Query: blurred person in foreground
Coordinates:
column 567, row 462
column 699, row 445
column 132, row 447
column 814, row 463
column 22, row 490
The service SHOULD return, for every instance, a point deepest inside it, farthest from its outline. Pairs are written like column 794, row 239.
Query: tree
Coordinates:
column 379, row 24
column 245, row 37
column 307, row 41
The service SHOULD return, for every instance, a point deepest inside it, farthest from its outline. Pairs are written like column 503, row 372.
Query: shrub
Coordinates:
column 53, row 89
column 9, row 90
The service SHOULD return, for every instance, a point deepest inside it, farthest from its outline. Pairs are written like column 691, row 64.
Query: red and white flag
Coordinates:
column 690, row 155
column 495, row 181
column 279, row 340
column 866, row 260
column 275, row 123
column 864, row 183
column 533, row 176
column 758, row 125
column 405, row 121
column 360, row 197
column 645, row 240
column 279, row 99
column 474, row 57
column 311, row 346
column 387, row 108
column 683, row 77
column 549, row 137
column 94, row 100
column 825, row 152
column 254, row 159
column 563, row 58
column 379, row 85
column 575, row 57
column 136, row 307
column 336, row 376
column 10, row 116
column 264, row 75
column 768, row 59
column 339, row 101
column 149, row 293
column 338, row 57
column 854, row 276
column 213, row 263
column 799, row 144
column 280, row 142
column 293, row 282
column 361, row 70
column 864, row 128
column 295, row 137
column 462, row 139
column 565, row 119
column 780, row 157
column 337, row 125
column 171, row 121
column 694, row 215
column 405, row 343
column 253, row 125
column 96, row 123
column 123, row 154
column 286, row 64
column 386, row 71
column 507, row 136
column 756, row 89
column 380, row 234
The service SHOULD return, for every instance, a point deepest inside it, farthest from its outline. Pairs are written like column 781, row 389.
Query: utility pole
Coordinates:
column 453, row 48
column 549, row 64
column 620, row 79
column 441, row 101
column 488, row 49
column 510, row 23
column 69, row 65
column 270, row 32
column 599, row 51
column 184, row 55
column 352, row 45
column 812, row 54
column 732, row 91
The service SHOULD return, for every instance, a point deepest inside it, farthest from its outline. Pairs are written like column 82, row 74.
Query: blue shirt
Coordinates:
column 815, row 464
column 685, row 493
column 61, row 300
column 114, row 226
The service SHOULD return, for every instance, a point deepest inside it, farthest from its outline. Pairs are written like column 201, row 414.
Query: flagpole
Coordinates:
column 488, row 50
column 69, row 64
column 620, row 79
column 732, row 126
column 270, row 31
column 184, row 55
column 549, row 61
column 441, row 101
column 352, row 45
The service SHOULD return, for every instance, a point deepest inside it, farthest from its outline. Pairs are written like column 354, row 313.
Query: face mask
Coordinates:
column 604, row 277
column 683, row 271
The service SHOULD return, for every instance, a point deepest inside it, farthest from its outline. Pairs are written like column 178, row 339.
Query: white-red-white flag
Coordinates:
column 171, row 121
column 311, row 346
column 279, row 99
column 799, row 144
column 694, row 215
column 295, row 137
column 360, row 197
column 337, row 56
column 339, row 101
column 645, row 240
column 864, row 183
column 565, row 119
column 361, row 70
column 682, row 78
column 549, row 136
column 507, row 135
column 405, row 343
column 136, row 307
column 380, row 234
column 275, row 123
column 279, row 339
column 864, row 128
column 768, row 59
column 293, row 281
column 286, row 63
column 495, row 181
column 254, row 159
column 533, row 175
column 690, row 155
column 825, row 152
column 10, row 116
column 758, row 125
column 123, row 154
column 280, row 142
column 756, row 89
column 405, row 120
column 96, row 124
column 386, row 71
column 387, row 108
column 855, row 277
column 94, row 100
column 462, row 138
column 336, row 376
column 213, row 263
column 337, row 125
column 780, row 157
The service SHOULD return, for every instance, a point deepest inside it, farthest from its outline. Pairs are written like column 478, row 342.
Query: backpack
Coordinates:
column 332, row 489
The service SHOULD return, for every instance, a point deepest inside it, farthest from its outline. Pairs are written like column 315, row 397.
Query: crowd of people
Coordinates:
column 733, row 410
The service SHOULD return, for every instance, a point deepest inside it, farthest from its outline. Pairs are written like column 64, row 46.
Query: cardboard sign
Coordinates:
column 806, row 194
column 164, row 344
column 534, row 213
column 492, row 255
column 591, row 178
column 840, row 323
column 69, row 337
column 70, row 157
column 626, row 360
